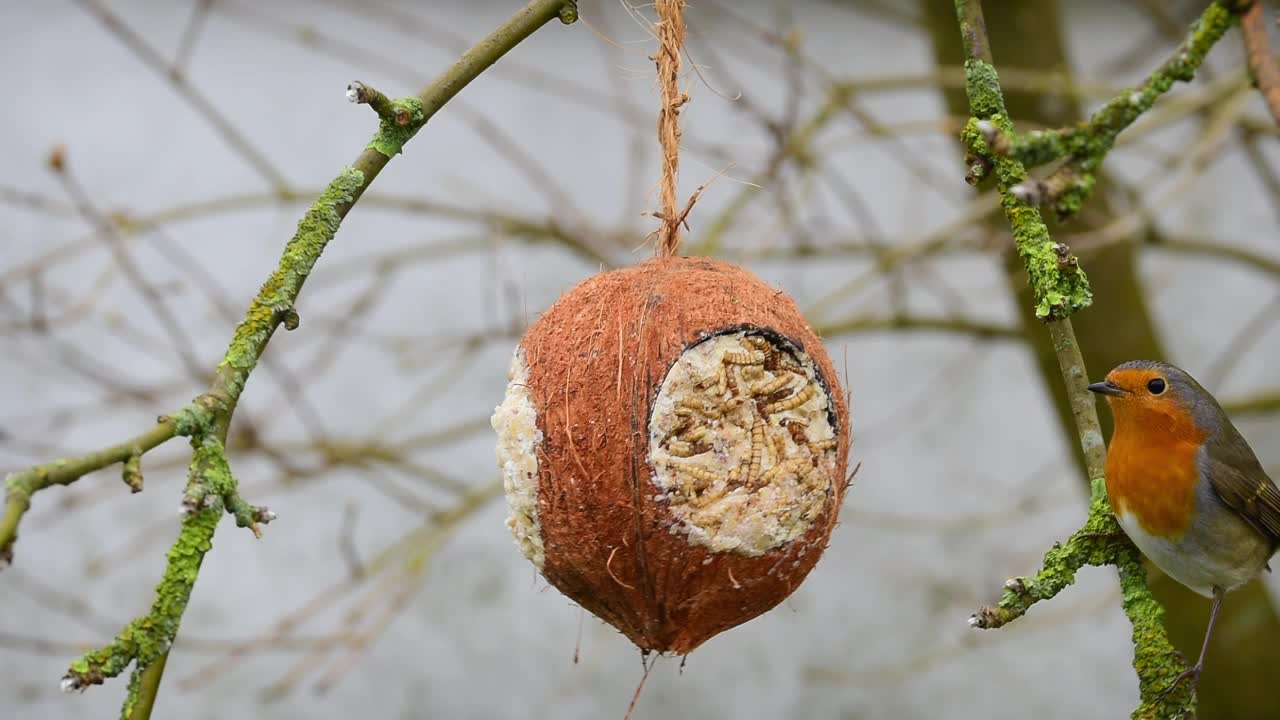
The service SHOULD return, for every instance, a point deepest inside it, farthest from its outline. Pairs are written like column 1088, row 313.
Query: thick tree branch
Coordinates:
column 1057, row 282
column 1101, row 541
column 211, row 487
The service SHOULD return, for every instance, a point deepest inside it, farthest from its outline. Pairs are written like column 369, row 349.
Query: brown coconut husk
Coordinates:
column 596, row 361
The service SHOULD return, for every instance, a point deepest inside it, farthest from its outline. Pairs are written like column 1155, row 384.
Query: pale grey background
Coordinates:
column 954, row 437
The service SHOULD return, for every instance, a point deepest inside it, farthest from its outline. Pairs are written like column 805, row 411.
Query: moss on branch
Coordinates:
column 1059, row 285
column 21, row 485
column 1085, row 145
column 211, row 487
column 1060, row 289
column 397, row 126
column 1101, row 541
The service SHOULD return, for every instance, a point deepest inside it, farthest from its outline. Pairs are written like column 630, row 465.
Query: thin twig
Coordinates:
column 182, row 343
column 152, row 58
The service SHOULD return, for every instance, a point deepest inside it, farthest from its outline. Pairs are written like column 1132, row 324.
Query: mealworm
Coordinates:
column 682, row 426
column 683, row 449
column 745, row 357
column 694, row 434
column 793, row 402
column 772, row 442
column 710, row 495
column 757, row 449
column 776, row 397
column 811, row 479
column 772, row 386
column 698, row 472
column 731, row 381
column 697, row 407
column 722, row 380
column 797, row 431
column 821, row 445
column 794, row 465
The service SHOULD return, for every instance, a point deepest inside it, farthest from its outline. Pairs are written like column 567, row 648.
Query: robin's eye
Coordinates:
column 1156, row 386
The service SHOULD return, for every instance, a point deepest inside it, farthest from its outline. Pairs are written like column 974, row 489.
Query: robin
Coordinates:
column 1185, row 486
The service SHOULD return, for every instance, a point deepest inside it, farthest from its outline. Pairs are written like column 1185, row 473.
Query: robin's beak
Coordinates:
column 1106, row 387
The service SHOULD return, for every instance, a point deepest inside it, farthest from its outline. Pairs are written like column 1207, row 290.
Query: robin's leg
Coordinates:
column 1193, row 672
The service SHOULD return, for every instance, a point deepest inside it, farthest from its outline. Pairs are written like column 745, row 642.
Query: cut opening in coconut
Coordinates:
column 516, row 423
column 742, row 442
column 689, row 467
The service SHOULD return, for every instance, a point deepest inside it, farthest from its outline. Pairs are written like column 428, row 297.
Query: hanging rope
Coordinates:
column 670, row 46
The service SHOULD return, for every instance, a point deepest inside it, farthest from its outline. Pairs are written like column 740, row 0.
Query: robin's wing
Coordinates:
column 1238, row 478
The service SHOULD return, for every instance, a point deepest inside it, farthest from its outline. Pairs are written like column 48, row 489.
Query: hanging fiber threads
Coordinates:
column 674, row 438
column 670, row 50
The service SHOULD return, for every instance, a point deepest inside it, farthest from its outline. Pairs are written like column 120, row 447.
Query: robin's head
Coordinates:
column 1158, row 394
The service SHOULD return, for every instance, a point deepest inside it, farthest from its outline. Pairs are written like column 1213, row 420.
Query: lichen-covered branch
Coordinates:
column 1092, row 544
column 211, row 487
column 1086, row 145
column 1059, row 285
column 211, row 490
column 20, row 486
column 1100, row 541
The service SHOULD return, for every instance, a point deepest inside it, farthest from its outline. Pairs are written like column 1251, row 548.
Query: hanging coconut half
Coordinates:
column 673, row 442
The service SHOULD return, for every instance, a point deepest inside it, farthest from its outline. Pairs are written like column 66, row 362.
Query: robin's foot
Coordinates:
column 1192, row 673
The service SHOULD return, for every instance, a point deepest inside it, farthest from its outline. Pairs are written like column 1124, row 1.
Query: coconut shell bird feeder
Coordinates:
column 673, row 438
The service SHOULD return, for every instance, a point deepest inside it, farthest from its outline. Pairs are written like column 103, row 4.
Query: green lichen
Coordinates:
column 210, row 491
column 1060, row 289
column 316, row 228
column 398, row 125
column 1059, row 286
column 16, row 485
column 1087, row 143
column 146, row 639
column 193, row 420
column 1154, row 658
column 982, row 83
column 216, row 479
column 1102, row 542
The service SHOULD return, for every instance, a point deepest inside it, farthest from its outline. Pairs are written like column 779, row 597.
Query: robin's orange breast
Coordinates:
column 1152, row 473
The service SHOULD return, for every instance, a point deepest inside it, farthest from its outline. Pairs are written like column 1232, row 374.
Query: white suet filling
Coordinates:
column 516, row 422
column 741, row 445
